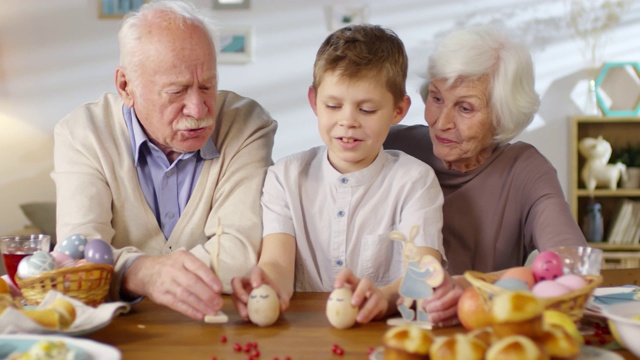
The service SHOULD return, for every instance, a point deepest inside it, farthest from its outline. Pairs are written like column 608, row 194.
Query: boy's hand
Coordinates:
column 242, row 287
column 370, row 300
column 443, row 305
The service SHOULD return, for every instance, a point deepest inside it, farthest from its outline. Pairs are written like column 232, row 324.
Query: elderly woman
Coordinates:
column 502, row 200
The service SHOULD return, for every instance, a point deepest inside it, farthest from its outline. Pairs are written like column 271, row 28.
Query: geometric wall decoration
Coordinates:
column 618, row 89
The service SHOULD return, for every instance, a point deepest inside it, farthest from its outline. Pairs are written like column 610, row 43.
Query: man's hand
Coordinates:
column 179, row 281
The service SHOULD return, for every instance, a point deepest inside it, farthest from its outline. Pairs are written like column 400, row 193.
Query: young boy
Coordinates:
column 328, row 211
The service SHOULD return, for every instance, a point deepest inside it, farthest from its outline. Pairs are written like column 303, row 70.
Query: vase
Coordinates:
column 590, row 106
column 592, row 226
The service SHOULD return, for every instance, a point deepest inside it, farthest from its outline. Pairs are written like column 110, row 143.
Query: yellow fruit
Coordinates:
column 4, row 288
column 557, row 318
column 614, row 333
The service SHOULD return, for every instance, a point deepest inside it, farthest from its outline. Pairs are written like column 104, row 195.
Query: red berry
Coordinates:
column 287, row 358
column 237, row 347
column 223, row 339
column 370, row 351
column 339, row 351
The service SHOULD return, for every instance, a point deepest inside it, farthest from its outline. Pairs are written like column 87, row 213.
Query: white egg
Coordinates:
column 263, row 306
column 340, row 312
column 33, row 265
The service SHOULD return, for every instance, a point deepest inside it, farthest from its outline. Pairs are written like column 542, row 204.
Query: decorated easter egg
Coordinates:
column 572, row 281
column 73, row 246
column 340, row 313
column 263, row 306
column 549, row 288
column 547, row 266
column 62, row 260
column 32, row 265
column 512, row 284
column 97, row 251
column 522, row 273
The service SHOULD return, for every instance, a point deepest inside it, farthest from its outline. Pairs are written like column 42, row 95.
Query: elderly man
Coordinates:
column 158, row 170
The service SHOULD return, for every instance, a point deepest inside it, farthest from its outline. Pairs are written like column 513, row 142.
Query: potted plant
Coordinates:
column 630, row 156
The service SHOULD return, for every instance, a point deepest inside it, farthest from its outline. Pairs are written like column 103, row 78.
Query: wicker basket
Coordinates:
column 571, row 303
column 88, row 283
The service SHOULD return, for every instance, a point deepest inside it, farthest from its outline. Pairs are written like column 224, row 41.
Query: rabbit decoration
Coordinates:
column 596, row 171
column 421, row 275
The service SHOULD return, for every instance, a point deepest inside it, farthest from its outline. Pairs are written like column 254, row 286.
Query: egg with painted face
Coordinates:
column 263, row 306
column 547, row 266
column 340, row 313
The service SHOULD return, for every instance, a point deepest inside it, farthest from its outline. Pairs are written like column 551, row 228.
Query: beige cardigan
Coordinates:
column 99, row 195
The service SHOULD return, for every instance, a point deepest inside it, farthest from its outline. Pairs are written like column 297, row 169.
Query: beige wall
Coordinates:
column 57, row 54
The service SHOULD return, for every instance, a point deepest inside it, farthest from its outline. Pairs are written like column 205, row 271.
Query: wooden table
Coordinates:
column 150, row 331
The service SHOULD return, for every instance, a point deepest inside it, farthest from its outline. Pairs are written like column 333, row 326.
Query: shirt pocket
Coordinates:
column 380, row 259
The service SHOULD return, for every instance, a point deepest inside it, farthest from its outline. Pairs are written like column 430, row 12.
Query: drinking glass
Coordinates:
column 16, row 247
column 581, row 260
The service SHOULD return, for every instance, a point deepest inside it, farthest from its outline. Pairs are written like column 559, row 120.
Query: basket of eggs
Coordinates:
column 546, row 279
column 78, row 268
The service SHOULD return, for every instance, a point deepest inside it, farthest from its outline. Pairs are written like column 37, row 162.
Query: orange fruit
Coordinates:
column 4, row 287
column 472, row 312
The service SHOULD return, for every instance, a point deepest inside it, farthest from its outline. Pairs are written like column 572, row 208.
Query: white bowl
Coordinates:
column 627, row 328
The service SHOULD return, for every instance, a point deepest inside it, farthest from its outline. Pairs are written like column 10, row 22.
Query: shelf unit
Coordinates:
column 619, row 132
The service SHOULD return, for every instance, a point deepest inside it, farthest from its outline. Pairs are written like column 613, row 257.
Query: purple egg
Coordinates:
column 97, row 251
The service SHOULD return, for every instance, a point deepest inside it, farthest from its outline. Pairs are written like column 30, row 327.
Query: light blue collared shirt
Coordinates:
column 167, row 187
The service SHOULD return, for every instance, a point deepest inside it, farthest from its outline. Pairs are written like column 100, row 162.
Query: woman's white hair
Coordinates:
column 131, row 33
column 483, row 51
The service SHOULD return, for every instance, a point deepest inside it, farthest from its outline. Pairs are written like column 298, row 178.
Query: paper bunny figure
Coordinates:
column 421, row 275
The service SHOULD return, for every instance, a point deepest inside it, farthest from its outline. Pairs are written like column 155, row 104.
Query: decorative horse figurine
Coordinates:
column 596, row 170
column 421, row 275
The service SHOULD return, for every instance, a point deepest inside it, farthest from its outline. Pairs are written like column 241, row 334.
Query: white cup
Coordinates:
column 582, row 260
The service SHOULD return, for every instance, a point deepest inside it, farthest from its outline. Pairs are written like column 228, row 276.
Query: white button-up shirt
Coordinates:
column 344, row 220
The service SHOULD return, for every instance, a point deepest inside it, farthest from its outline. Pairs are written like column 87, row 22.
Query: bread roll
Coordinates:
column 67, row 312
column 515, row 347
column 485, row 334
column 559, row 344
column 407, row 342
column 517, row 313
column 457, row 347
column 49, row 318
column 59, row 315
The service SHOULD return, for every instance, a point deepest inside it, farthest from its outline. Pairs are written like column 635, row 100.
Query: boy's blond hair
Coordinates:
column 361, row 51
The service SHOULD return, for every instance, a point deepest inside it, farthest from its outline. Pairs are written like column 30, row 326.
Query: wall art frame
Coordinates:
column 339, row 16
column 116, row 9
column 235, row 45
column 618, row 89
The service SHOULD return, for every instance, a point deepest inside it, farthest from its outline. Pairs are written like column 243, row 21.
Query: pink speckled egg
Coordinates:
column 549, row 288
column 572, row 281
column 62, row 260
column 547, row 266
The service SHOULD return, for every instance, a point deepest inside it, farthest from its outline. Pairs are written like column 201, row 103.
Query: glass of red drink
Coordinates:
column 16, row 247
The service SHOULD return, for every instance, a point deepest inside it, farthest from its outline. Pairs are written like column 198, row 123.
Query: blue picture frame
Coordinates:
column 600, row 95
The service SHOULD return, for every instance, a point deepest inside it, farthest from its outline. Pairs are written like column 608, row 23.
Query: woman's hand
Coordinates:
column 443, row 305
column 370, row 301
column 242, row 287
